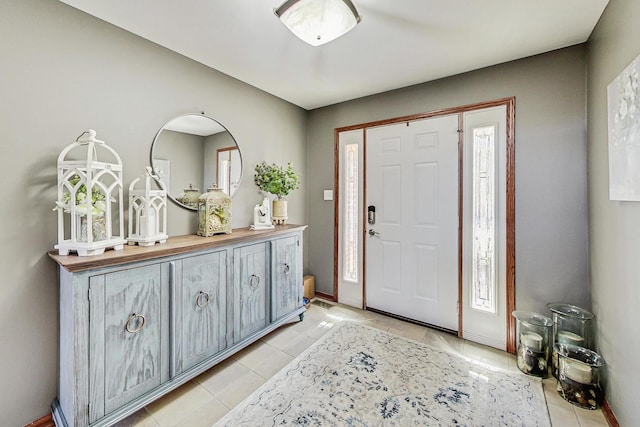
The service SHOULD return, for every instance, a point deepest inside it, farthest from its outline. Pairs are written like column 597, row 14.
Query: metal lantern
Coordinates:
column 147, row 211
column 214, row 213
column 89, row 198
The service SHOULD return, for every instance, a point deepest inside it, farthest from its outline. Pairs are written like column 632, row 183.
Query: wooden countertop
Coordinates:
column 174, row 246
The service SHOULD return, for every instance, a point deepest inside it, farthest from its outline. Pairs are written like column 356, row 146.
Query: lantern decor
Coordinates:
column 147, row 211
column 88, row 189
column 214, row 212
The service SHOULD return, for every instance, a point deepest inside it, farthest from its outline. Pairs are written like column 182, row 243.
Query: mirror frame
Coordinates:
column 153, row 147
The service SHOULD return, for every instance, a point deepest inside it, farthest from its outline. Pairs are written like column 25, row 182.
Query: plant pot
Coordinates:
column 279, row 212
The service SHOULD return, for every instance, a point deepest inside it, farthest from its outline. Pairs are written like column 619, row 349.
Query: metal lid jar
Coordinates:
column 214, row 212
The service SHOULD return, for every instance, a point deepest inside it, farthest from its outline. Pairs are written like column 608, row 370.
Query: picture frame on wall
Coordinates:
column 623, row 99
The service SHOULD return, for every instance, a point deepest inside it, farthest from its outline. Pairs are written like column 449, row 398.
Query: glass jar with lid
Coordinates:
column 214, row 212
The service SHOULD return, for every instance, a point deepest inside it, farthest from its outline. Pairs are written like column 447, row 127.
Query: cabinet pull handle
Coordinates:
column 254, row 281
column 286, row 268
column 133, row 317
column 203, row 299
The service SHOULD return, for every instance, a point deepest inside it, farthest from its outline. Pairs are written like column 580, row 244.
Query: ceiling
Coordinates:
column 398, row 43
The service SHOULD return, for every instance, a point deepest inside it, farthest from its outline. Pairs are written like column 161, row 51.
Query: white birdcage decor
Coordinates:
column 147, row 210
column 214, row 212
column 89, row 198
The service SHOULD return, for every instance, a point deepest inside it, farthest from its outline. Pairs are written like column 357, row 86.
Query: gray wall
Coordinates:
column 551, row 217
column 614, row 227
column 62, row 72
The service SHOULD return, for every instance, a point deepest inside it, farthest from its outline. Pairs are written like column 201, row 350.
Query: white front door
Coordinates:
column 411, row 240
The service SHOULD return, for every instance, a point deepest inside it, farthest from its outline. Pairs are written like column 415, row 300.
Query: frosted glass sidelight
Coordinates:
column 350, row 232
column 484, row 281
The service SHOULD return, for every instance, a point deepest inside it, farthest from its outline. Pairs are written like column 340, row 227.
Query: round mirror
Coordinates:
column 193, row 152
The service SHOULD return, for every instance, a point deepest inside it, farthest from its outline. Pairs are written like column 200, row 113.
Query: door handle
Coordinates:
column 372, row 233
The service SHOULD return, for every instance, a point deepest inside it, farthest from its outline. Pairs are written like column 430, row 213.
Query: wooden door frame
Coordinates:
column 510, row 260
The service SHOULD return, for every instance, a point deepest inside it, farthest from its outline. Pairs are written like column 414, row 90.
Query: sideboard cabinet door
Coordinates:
column 250, row 286
column 200, row 304
column 125, row 336
column 287, row 277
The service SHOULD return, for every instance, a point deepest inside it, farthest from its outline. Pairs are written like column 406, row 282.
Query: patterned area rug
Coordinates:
column 359, row 376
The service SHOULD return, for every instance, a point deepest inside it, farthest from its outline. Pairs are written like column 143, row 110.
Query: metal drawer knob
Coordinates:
column 286, row 268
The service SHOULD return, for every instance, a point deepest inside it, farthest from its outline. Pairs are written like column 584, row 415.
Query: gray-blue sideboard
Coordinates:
column 136, row 323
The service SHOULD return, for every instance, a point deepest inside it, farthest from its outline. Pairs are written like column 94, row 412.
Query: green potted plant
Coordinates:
column 279, row 181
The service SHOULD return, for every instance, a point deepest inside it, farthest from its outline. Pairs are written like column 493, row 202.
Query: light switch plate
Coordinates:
column 328, row 194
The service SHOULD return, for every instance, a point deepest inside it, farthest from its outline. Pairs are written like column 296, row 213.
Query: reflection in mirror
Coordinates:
column 228, row 172
column 193, row 152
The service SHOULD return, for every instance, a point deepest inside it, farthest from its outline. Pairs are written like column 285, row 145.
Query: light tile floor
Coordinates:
column 205, row 399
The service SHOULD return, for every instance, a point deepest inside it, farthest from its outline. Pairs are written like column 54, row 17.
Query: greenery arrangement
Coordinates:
column 275, row 179
column 98, row 202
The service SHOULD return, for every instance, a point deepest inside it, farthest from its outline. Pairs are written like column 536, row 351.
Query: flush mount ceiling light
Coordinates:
column 318, row 21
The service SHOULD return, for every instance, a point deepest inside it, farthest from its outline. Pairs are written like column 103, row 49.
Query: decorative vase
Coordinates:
column 214, row 213
column 580, row 372
column 571, row 325
column 279, row 211
column 533, row 333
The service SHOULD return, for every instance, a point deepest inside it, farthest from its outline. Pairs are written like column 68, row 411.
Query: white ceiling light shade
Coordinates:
column 318, row 21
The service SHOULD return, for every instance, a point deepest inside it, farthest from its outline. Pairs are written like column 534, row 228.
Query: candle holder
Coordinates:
column 147, row 211
column 571, row 325
column 580, row 371
column 533, row 332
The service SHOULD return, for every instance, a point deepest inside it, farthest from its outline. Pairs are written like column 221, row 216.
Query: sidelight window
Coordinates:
column 484, row 281
column 350, row 231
